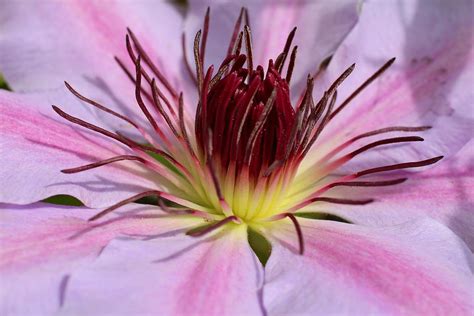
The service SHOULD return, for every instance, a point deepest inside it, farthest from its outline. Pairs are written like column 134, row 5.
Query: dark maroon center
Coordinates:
column 249, row 118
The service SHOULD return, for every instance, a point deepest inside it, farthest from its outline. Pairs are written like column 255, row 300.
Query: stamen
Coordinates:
column 182, row 125
column 281, row 63
column 392, row 129
column 340, row 201
column 291, row 65
column 147, row 78
column 258, row 127
column 395, row 140
column 159, row 106
column 373, row 133
column 98, row 105
column 150, row 64
column 215, row 180
column 101, row 163
column 405, row 165
column 212, row 227
column 236, row 32
column 248, row 46
column 186, row 62
column 87, row 125
column 204, row 34
column 362, row 87
column 138, row 96
column 299, row 232
column 166, row 209
column 369, row 183
column 197, row 60
column 124, row 202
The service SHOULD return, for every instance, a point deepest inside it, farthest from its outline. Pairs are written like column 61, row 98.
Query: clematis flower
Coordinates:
column 272, row 178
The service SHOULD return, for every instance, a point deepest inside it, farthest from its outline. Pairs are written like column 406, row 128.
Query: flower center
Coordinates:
column 239, row 161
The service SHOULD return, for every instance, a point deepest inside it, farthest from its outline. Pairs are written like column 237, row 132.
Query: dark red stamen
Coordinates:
column 362, row 87
column 279, row 64
column 248, row 47
column 291, row 65
column 153, row 67
column 405, row 165
column 102, row 163
column 98, row 105
column 189, row 69
column 235, row 32
column 212, row 227
column 205, row 32
column 299, row 232
column 387, row 141
column 125, row 202
column 369, row 183
column 341, row 201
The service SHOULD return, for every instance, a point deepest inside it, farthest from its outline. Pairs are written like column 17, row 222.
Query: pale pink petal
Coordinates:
column 443, row 193
column 430, row 82
column 37, row 144
column 42, row 244
column 322, row 25
column 170, row 276
column 420, row 268
column 48, row 42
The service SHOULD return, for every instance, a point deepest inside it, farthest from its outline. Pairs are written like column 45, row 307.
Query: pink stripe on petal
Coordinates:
column 416, row 268
column 179, row 275
column 43, row 144
column 41, row 246
column 428, row 84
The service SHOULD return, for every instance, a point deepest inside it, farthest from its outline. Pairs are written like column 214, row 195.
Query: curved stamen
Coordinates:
column 291, row 65
column 185, row 57
column 258, row 126
column 248, row 47
column 138, row 96
column 212, row 227
column 87, row 125
column 197, row 61
column 159, row 106
column 205, row 32
column 210, row 163
column 150, row 64
column 399, row 166
column 125, row 202
column 235, row 32
column 369, row 183
column 280, row 63
column 101, row 163
column 98, row 105
column 340, row 201
column 362, row 87
column 299, row 232
column 372, row 133
column 396, row 140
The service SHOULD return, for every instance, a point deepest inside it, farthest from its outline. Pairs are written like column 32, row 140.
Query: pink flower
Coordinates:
column 270, row 200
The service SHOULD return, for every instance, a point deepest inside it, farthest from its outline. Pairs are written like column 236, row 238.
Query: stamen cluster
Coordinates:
column 239, row 160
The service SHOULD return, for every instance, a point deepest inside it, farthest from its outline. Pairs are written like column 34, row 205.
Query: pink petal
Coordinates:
column 42, row 244
column 430, row 82
column 37, row 144
column 322, row 25
column 170, row 276
column 443, row 193
column 420, row 268
column 77, row 40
